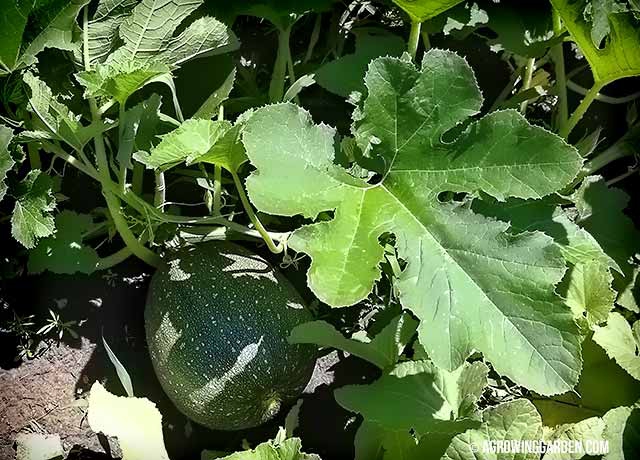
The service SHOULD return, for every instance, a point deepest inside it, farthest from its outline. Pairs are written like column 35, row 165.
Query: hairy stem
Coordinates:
column 34, row 157
column 137, row 179
column 315, row 35
column 114, row 259
column 276, row 87
column 526, row 82
column 414, row 39
column 89, row 170
column 252, row 216
column 113, row 203
column 160, row 191
column 625, row 146
column 557, row 55
column 576, row 116
column 217, row 190
column 425, row 40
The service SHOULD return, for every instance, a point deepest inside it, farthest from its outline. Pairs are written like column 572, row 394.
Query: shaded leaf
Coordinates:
column 344, row 75
column 6, row 161
column 383, row 350
column 601, row 209
column 138, row 129
column 123, row 375
column 50, row 24
column 56, row 116
column 32, row 217
column 620, row 343
column 417, row 395
column 64, row 252
column 209, row 108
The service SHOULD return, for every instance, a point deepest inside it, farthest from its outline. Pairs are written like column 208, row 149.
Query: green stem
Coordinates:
column 122, row 172
column 160, row 191
column 425, row 40
column 276, row 87
column 137, row 179
column 526, row 82
column 414, row 39
column 89, row 170
column 114, row 259
column 580, row 110
column 620, row 149
column 113, row 203
column 34, row 157
column 557, row 55
column 315, row 35
column 217, row 190
column 252, row 216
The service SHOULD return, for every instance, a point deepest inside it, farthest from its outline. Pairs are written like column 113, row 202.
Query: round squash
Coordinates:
column 217, row 320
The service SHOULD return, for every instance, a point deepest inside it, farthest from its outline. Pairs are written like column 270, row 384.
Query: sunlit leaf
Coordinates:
column 471, row 284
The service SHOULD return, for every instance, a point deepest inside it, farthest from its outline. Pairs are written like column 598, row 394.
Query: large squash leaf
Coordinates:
column 514, row 421
column 421, row 10
column 150, row 48
column 619, row 57
column 472, row 285
column 425, row 398
column 29, row 26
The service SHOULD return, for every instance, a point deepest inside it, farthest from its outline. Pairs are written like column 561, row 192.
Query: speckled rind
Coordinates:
column 217, row 320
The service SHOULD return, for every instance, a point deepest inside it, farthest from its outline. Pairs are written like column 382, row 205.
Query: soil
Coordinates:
column 45, row 394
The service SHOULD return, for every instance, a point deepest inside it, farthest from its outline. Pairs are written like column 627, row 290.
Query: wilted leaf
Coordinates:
column 36, row 446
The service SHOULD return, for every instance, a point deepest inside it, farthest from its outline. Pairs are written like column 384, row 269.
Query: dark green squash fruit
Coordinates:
column 217, row 320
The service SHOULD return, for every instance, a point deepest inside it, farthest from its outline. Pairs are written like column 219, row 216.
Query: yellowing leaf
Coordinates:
column 134, row 421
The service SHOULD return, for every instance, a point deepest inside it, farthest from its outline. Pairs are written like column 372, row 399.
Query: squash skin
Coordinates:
column 217, row 320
